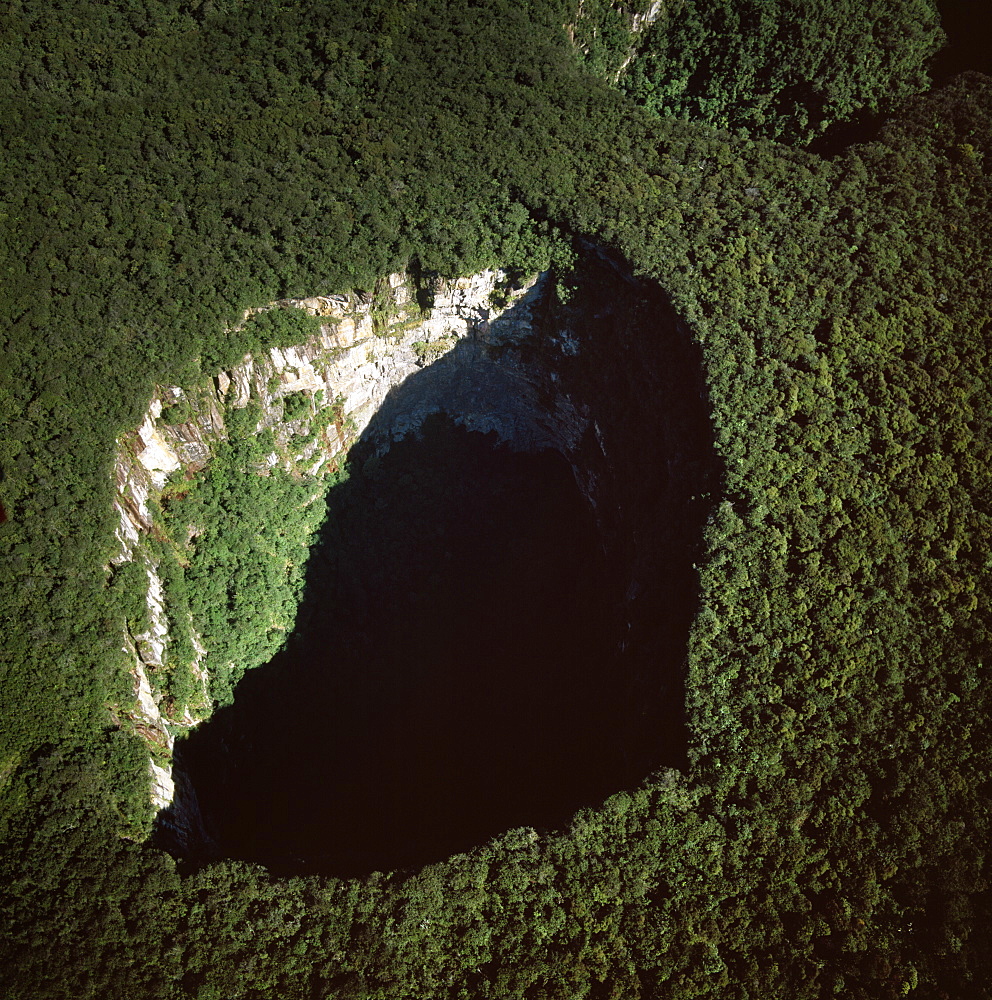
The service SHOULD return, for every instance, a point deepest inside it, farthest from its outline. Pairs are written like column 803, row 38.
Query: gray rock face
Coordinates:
column 486, row 383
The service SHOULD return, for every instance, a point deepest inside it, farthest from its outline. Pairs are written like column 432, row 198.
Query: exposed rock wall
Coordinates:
column 609, row 380
column 463, row 354
column 352, row 363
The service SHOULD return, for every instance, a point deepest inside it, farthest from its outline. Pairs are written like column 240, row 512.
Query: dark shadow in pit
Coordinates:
column 479, row 648
column 861, row 127
column 967, row 48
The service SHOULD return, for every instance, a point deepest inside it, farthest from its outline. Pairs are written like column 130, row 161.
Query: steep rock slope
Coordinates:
column 315, row 398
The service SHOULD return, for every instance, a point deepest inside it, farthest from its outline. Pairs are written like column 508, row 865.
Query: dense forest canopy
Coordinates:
column 168, row 165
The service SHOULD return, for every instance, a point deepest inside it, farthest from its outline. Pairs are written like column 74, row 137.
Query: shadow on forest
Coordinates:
column 465, row 660
column 967, row 48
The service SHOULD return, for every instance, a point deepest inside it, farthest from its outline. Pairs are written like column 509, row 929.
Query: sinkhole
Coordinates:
column 490, row 637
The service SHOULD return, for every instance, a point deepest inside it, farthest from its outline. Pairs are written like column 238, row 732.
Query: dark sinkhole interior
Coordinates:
column 479, row 647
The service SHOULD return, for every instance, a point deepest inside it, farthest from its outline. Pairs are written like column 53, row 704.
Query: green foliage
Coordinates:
column 779, row 69
column 178, row 412
column 240, row 534
column 296, row 407
column 278, row 327
column 170, row 166
column 101, row 909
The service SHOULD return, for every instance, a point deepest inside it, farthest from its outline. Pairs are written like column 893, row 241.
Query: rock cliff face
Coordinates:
column 609, row 379
column 357, row 358
column 464, row 347
column 589, row 24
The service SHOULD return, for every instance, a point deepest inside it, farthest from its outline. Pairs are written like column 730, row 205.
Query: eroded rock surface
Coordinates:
column 366, row 349
column 608, row 380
